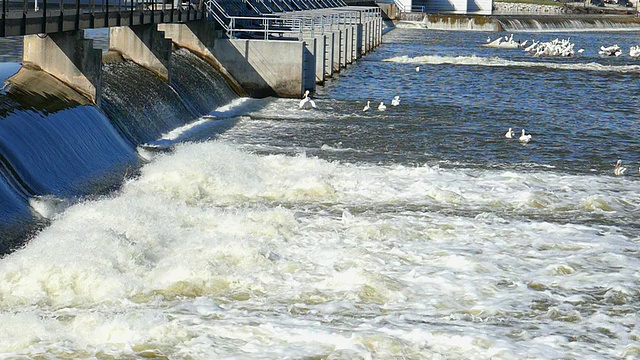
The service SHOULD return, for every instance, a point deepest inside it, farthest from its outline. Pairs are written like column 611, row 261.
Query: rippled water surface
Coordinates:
column 420, row 232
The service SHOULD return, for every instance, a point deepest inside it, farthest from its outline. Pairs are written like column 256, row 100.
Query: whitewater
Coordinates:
column 262, row 231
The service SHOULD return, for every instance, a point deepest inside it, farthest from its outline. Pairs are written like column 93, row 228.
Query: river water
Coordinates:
column 420, row 232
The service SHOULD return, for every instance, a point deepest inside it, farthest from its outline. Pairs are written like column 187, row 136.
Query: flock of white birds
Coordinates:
column 555, row 47
column 382, row 107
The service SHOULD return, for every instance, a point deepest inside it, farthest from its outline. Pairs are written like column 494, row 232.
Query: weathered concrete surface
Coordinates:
column 338, row 56
column 200, row 38
column 318, row 52
column 144, row 45
column 43, row 91
column 69, row 57
column 263, row 67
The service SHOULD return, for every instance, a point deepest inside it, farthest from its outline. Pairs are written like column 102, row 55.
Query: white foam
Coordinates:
column 474, row 60
column 214, row 250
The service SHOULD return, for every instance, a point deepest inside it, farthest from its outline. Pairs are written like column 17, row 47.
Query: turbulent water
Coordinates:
column 419, row 232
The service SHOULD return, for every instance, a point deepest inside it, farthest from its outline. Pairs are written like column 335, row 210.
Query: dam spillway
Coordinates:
column 74, row 114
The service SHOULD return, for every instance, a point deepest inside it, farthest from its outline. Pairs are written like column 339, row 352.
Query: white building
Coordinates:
column 480, row 7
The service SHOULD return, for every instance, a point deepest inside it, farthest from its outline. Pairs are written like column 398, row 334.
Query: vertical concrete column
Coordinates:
column 359, row 48
column 337, row 52
column 379, row 32
column 321, row 45
column 309, row 64
column 343, row 47
column 144, row 45
column 329, row 56
column 318, row 51
column 348, row 31
column 69, row 57
column 367, row 39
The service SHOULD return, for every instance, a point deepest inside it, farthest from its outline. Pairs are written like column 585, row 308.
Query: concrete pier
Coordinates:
column 144, row 45
column 69, row 57
column 276, row 65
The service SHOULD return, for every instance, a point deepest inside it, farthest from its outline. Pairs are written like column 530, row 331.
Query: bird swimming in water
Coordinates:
column 509, row 134
column 382, row 107
column 306, row 103
column 619, row 169
column 395, row 101
column 524, row 138
column 417, row 68
column 367, row 107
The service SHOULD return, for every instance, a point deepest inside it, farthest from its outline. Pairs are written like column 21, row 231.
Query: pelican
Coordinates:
column 367, row 107
column 382, row 107
column 525, row 138
column 417, row 68
column 618, row 169
column 395, row 101
column 509, row 134
column 306, row 103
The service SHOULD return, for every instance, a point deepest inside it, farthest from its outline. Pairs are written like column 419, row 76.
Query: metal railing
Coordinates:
column 24, row 17
column 291, row 25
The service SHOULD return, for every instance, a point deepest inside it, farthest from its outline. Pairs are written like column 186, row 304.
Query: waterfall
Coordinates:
column 568, row 23
column 56, row 147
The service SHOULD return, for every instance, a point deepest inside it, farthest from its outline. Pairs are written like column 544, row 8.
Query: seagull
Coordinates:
column 618, row 169
column 525, row 138
column 306, row 103
column 366, row 107
column 395, row 101
column 509, row 134
column 382, row 107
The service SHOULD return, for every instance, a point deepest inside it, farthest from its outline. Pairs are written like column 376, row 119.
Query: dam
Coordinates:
column 75, row 115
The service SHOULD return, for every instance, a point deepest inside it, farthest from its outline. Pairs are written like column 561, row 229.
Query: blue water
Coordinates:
column 419, row 232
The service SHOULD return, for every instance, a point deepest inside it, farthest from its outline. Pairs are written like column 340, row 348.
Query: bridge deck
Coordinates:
column 29, row 18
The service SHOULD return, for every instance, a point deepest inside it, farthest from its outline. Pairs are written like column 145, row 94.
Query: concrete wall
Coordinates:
column 264, row 67
column 144, row 45
column 69, row 57
column 200, row 38
column 316, row 44
column 255, row 68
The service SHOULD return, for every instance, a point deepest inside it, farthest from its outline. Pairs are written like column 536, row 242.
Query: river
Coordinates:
column 420, row 232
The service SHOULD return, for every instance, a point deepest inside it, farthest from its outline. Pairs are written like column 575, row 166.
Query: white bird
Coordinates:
column 417, row 68
column 509, row 134
column 618, row 169
column 382, row 107
column 395, row 101
column 306, row 103
column 367, row 107
column 525, row 138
